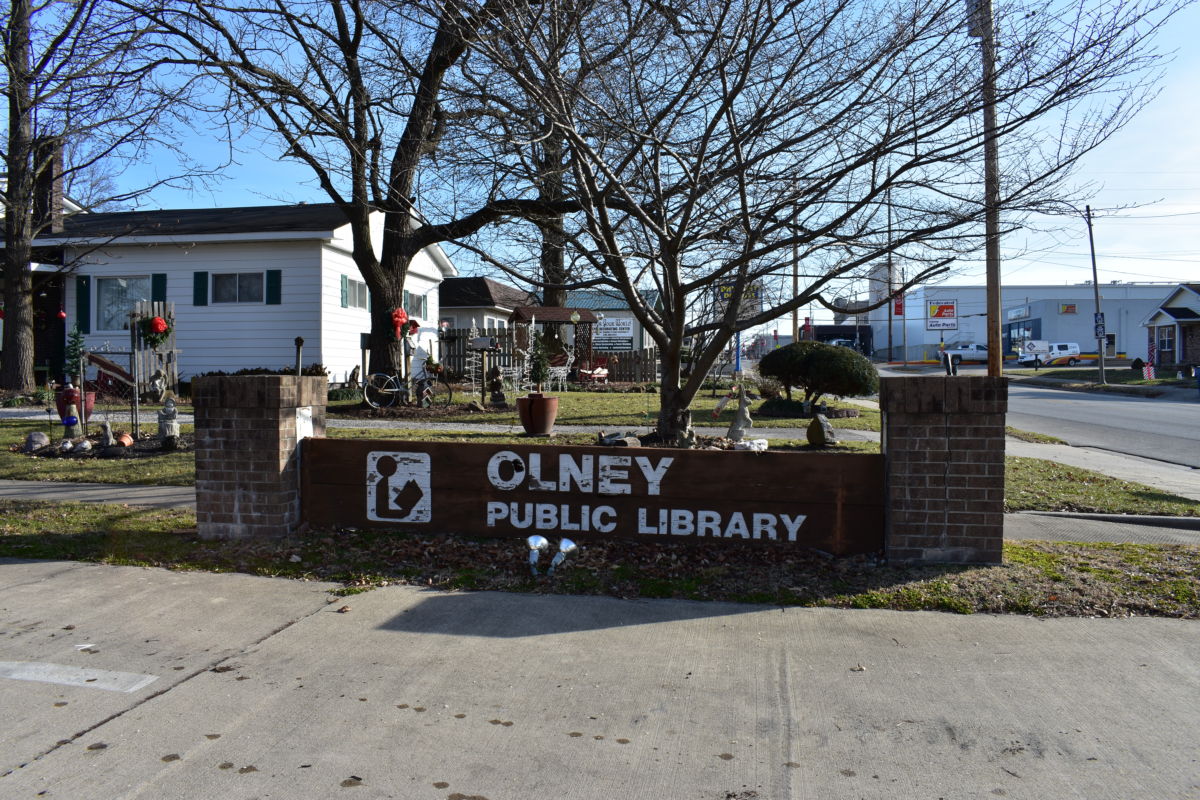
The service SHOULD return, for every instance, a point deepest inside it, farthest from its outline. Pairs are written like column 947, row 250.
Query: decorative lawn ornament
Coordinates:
column 154, row 331
column 399, row 318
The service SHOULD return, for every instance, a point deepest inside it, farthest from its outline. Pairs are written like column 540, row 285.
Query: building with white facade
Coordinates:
column 929, row 316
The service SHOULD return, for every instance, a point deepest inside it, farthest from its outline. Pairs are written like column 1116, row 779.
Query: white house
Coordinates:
column 245, row 282
column 481, row 303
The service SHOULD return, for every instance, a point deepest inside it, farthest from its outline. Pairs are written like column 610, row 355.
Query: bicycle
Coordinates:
column 381, row 390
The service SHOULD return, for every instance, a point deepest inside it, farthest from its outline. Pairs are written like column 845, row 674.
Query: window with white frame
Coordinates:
column 416, row 305
column 237, row 287
column 115, row 298
column 356, row 294
column 1166, row 338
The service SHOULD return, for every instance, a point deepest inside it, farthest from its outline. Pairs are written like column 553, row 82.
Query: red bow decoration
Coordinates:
column 158, row 325
column 399, row 317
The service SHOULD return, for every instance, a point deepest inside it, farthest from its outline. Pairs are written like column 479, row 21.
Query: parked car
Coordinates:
column 1060, row 353
column 967, row 352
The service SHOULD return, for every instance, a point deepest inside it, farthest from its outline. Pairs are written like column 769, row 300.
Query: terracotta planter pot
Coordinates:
column 537, row 413
column 65, row 397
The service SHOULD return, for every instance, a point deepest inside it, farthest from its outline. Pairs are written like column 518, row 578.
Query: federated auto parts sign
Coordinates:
column 942, row 315
column 714, row 498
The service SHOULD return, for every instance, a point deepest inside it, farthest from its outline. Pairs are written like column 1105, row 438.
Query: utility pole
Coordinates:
column 981, row 25
column 890, row 284
column 1101, row 333
column 795, row 292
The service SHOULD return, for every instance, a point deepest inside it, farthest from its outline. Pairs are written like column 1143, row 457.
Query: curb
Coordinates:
column 1183, row 523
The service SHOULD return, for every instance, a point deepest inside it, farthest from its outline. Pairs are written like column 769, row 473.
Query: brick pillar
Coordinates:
column 247, row 472
column 943, row 441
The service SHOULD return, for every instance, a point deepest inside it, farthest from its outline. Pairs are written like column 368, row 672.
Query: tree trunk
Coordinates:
column 675, row 399
column 387, row 352
column 674, row 415
column 16, row 371
column 553, row 260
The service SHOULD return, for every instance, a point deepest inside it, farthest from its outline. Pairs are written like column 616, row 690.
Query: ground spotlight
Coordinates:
column 565, row 547
column 536, row 545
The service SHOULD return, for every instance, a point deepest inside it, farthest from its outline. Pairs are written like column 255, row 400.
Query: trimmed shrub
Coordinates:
column 820, row 369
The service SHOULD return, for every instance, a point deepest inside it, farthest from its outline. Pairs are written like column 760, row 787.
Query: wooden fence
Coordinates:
column 632, row 366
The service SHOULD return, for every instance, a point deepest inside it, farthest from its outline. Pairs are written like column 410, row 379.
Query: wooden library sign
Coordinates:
column 829, row 502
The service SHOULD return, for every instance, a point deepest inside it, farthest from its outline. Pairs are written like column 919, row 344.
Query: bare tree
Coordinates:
column 355, row 90
column 82, row 78
column 708, row 140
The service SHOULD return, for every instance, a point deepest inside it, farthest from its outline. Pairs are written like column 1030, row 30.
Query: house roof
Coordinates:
column 201, row 221
column 482, row 292
column 550, row 314
column 606, row 299
column 1180, row 313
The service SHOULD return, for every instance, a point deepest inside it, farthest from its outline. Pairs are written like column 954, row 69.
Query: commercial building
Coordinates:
column 929, row 316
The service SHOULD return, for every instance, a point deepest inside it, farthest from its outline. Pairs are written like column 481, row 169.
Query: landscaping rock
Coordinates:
column 820, row 432
column 35, row 441
column 617, row 440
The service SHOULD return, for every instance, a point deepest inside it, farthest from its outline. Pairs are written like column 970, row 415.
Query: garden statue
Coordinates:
column 741, row 420
column 106, row 435
column 495, row 385
column 168, row 425
column 168, row 419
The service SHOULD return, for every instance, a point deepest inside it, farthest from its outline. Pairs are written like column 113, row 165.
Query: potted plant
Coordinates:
column 536, row 410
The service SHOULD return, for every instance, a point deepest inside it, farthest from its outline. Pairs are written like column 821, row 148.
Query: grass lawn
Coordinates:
column 1043, row 578
column 1040, row 578
column 637, row 410
column 1114, row 375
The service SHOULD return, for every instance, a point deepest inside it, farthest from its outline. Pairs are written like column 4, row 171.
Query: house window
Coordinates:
column 1166, row 339
column 416, row 305
column 356, row 294
column 115, row 298
column 237, row 287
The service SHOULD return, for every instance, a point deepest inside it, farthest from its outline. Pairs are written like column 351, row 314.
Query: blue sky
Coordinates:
column 1154, row 163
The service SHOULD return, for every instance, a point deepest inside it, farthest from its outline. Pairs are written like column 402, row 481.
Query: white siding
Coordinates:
column 221, row 336
column 342, row 326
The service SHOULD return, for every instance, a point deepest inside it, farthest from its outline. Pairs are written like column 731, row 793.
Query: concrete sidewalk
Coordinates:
column 254, row 687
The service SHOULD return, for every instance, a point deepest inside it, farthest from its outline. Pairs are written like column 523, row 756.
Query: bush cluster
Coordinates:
column 819, row 369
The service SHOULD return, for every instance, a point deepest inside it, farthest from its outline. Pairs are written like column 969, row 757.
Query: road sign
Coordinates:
column 1098, row 318
column 942, row 315
column 1100, row 331
column 1036, row 347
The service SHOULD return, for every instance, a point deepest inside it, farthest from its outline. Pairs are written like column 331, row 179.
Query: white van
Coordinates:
column 1060, row 354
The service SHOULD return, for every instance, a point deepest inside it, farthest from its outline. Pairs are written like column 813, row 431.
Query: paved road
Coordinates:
column 1165, row 428
column 1159, row 428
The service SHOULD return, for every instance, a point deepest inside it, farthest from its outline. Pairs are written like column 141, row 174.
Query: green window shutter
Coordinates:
column 274, row 287
column 199, row 288
column 83, row 303
column 345, row 291
column 158, row 287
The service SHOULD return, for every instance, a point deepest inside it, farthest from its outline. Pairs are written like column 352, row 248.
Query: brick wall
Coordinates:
column 247, row 476
column 943, row 440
